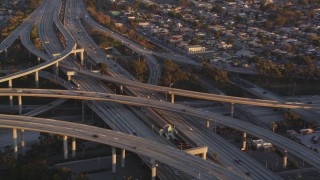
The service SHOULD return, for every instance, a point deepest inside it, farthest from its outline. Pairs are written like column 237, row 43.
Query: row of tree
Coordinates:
column 288, row 71
column 215, row 74
column 171, row 73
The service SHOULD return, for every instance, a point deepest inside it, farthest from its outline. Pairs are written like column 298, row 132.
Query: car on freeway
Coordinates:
column 238, row 161
column 176, row 172
column 95, row 136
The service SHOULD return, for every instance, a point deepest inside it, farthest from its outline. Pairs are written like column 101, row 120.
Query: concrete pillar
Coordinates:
column 153, row 169
column 20, row 104
column 285, row 158
column 208, row 124
column 23, row 145
column 73, row 147
column 244, row 141
column 65, row 147
column 232, row 109
column 10, row 97
column 114, row 160
column 172, row 98
column 15, row 142
column 123, row 158
column 6, row 53
column 38, row 58
column 75, row 55
column 204, row 156
column 81, row 58
column 121, row 89
column 57, row 69
column 69, row 78
column 83, row 111
column 36, row 78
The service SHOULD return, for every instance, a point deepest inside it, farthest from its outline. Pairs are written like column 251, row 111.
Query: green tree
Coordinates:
column 140, row 67
column 215, row 156
column 280, row 20
column 103, row 67
column 268, row 24
column 82, row 176
column 274, row 126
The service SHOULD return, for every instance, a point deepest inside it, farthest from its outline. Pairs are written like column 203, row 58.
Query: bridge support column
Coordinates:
column 10, row 97
column 20, row 104
column 153, row 169
column 36, row 78
column 121, row 89
column 15, row 142
column 81, row 58
column 207, row 124
column 114, row 160
column 83, row 111
column 232, row 109
column 6, row 53
column 172, row 98
column 123, row 158
column 74, row 147
column 23, row 145
column 57, row 69
column 244, row 141
column 65, row 147
column 204, row 156
column 285, row 158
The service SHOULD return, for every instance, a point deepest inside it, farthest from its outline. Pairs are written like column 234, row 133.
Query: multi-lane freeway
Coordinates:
column 120, row 117
column 173, row 157
column 294, row 148
column 200, row 95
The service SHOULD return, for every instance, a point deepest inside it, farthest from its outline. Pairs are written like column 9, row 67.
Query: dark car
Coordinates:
column 238, row 161
column 95, row 136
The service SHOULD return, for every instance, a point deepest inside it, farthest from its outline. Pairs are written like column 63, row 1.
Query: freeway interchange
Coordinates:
column 296, row 149
column 109, row 106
